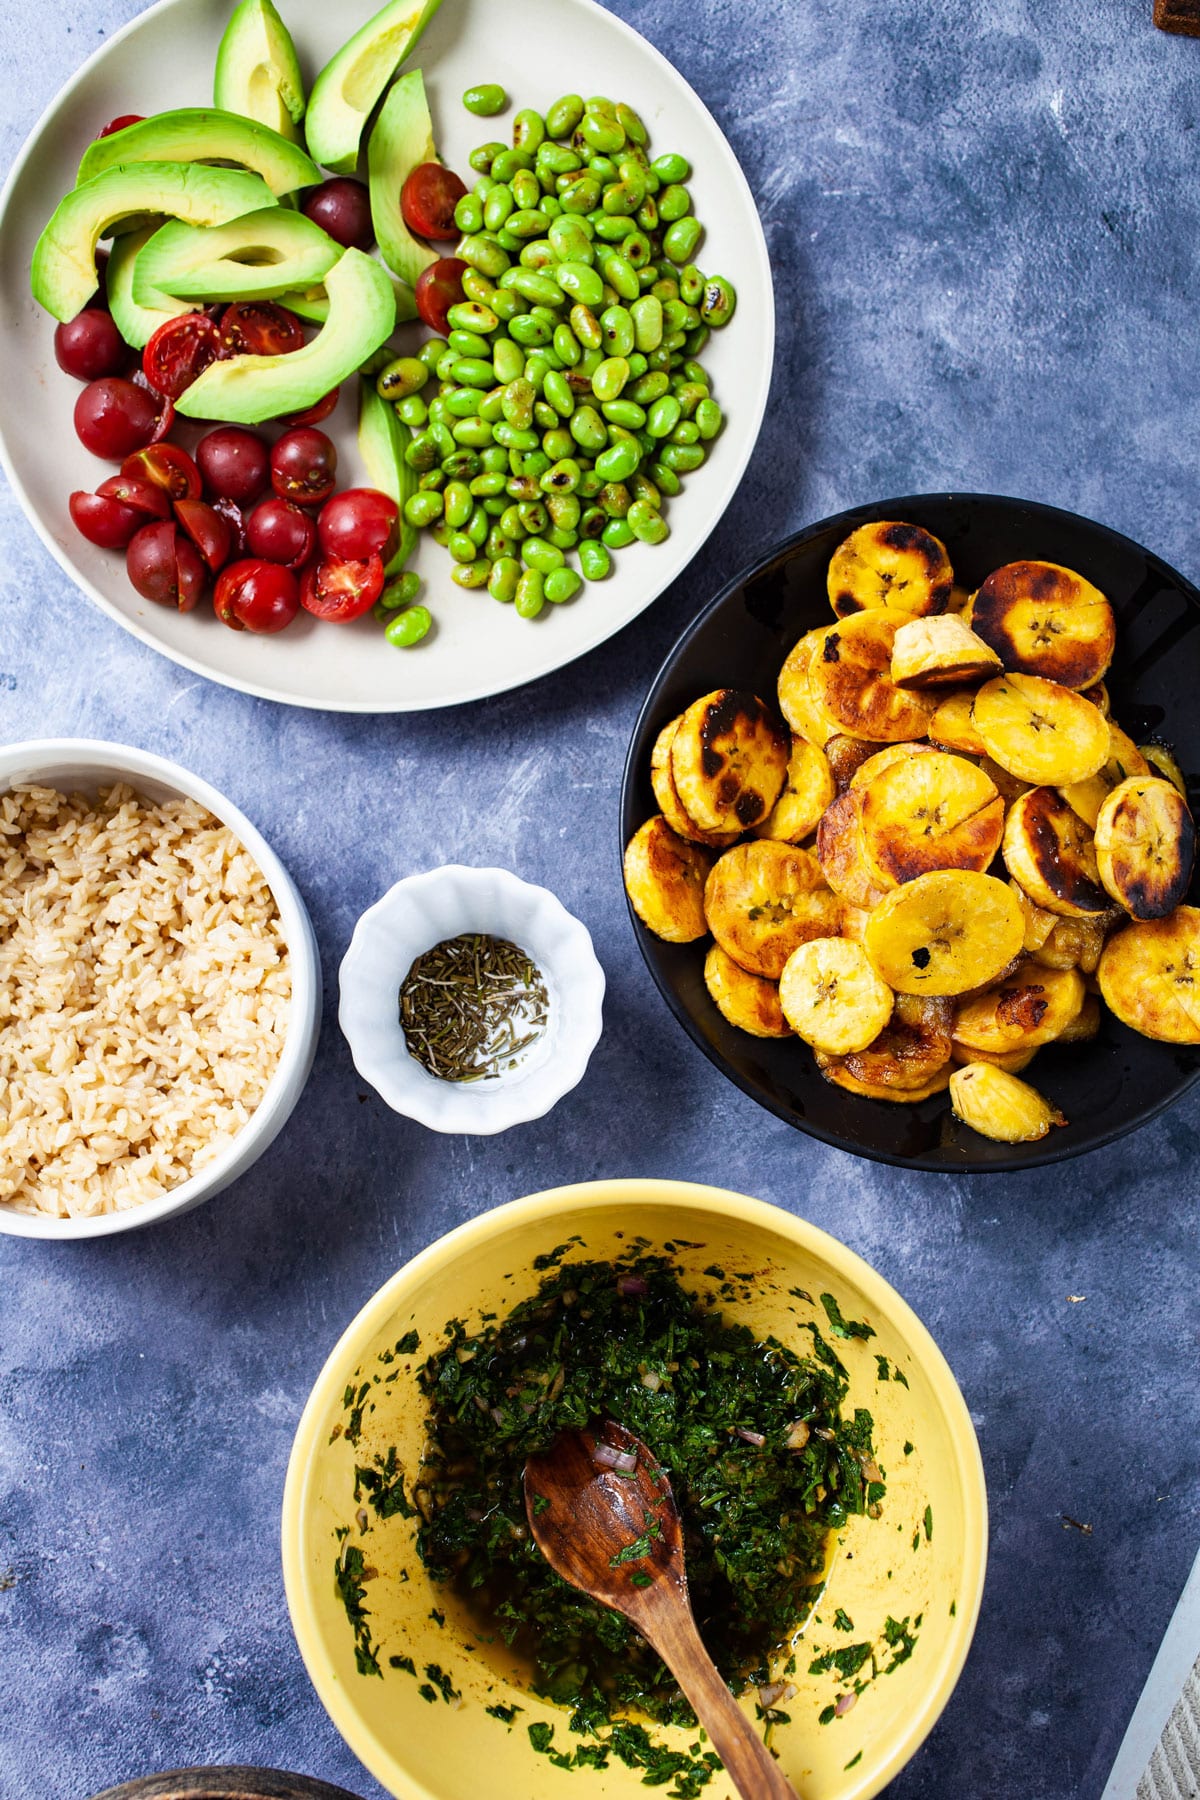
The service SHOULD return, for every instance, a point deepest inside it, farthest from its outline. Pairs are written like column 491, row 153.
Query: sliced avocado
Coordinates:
column 201, row 134
column 244, row 390
column 382, row 440
column 63, row 277
column 401, row 137
column 258, row 73
column 349, row 85
column 137, row 321
column 313, row 303
column 255, row 258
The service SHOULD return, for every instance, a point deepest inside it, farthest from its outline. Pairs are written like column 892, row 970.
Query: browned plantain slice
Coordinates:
column 847, row 755
column 945, row 932
column 805, row 717
column 1163, row 761
column 1042, row 619
column 1098, row 695
column 748, row 1001
column 1040, row 732
column 1074, row 944
column 806, row 793
column 1012, row 1060
column 850, row 678
column 729, row 760
column 1049, row 851
column 941, row 652
column 1085, row 1025
column 1145, row 846
column 1124, row 760
column 663, row 783
column 664, row 878
column 997, row 1105
column 1006, row 785
column 890, row 566
column 1038, row 922
column 935, row 811
column 835, row 1070
column 913, row 1047
column 1150, row 976
column 952, row 726
column 884, row 758
column 843, row 856
column 764, row 899
column 1033, row 1007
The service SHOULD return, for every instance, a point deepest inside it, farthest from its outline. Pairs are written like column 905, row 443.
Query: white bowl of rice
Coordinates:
column 160, row 990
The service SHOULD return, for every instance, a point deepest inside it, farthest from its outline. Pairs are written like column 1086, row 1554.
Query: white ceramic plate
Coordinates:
column 537, row 49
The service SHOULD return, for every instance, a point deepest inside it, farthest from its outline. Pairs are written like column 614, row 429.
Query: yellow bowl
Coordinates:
column 922, row 1560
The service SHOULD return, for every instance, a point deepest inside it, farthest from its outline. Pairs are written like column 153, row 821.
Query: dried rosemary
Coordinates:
column 472, row 1006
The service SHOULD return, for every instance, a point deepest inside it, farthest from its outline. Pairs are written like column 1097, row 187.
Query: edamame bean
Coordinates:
column 508, row 360
column 610, row 378
column 691, row 285
column 557, row 390
column 561, row 584
column 406, row 375
column 564, row 115
column 534, row 517
column 588, row 429
column 666, row 479
column 663, row 417
column 457, row 504
column 487, row 485
column 586, row 327
column 686, row 432
column 537, row 554
column 682, row 458
column 485, row 100
column 469, row 343
column 647, row 316
column 709, row 418
column 623, row 198
column 616, row 326
column 671, row 167
column 571, row 244
column 510, row 163
column 526, row 190
column 473, row 431
column 616, row 534
column 530, row 597
column 580, row 282
column 650, row 387
column 461, row 547
column 681, row 238
column 409, row 627
column 557, row 159
column 602, row 132
column 468, row 214
column 562, row 477
column 471, row 575
column 529, row 129
column 502, row 582
column 619, row 460
column 581, row 195
column 620, row 274
column 718, row 301
column 564, row 509
column 635, row 131
column 473, row 372
column 413, row 411
column 529, row 331
column 485, row 253
column 423, row 507
column 566, row 345
column 497, row 207
column 642, row 488
column 594, row 559
column 400, row 592
column 647, row 524
column 674, row 202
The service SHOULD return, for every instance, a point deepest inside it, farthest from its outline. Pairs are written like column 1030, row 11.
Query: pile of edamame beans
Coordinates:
column 570, row 401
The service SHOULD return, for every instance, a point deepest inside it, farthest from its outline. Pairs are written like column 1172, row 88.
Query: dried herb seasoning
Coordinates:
column 472, row 1006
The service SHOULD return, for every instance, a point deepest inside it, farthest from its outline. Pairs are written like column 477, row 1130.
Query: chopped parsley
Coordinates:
column 842, row 1327
column 348, row 1571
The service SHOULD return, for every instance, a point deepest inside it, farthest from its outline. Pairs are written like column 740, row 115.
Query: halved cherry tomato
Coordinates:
column 338, row 589
column 281, row 533
column 119, row 123
column 179, row 351
column 168, row 467
column 105, row 521
column 165, row 567
column 358, row 522
column 439, row 287
column 428, row 199
column 133, row 490
column 315, row 414
column 256, row 596
column 232, row 514
column 259, row 328
column 208, row 531
column 166, row 408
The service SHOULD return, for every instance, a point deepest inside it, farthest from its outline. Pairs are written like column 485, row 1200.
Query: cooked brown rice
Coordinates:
column 144, row 993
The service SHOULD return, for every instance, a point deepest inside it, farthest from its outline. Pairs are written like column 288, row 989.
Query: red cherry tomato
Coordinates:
column 342, row 208
column 89, row 345
column 208, row 531
column 315, row 414
column 234, row 462
column 259, row 328
column 149, row 499
column 165, row 567
column 281, row 533
column 110, row 523
column 231, row 512
column 358, row 522
column 166, row 408
column 339, row 589
column 114, row 417
column 439, row 287
column 256, row 596
column 168, row 467
column 180, row 349
column 119, row 123
column 428, row 199
column 304, row 466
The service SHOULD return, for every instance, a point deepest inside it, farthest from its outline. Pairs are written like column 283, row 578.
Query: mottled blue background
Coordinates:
column 983, row 219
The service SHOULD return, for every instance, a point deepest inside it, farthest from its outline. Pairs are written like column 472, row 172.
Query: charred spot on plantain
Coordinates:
column 921, row 958
column 1041, row 807
column 1023, row 1007
column 845, row 603
column 749, row 807
column 830, row 652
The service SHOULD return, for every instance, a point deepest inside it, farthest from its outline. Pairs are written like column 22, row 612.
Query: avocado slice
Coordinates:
column 401, row 137
column 137, row 321
column 255, row 258
column 201, row 134
column 313, row 302
column 347, row 88
column 257, row 72
column 63, row 277
column 245, row 390
column 382, row 439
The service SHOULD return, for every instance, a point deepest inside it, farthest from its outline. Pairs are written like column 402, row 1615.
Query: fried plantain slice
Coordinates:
column 1124, row 760
column 935, row 811
column 1012, row 1060
column 998, row 1106
column 1150, row 976
column 952, row 726
column 1145, row 846
column 805, row 717
column 1098, row 695
column 764, row 899
column 1031, row 1008
column 1049, row 851
column 850, row 679
column 1040, row 732
column 941, row 652
column 913, row 1047
column 1042, row 619
column 945, row 932
column 729, row 760
column 1074, row 944
column 807, row 791
column 890, row 566
column 1163, row 761
column 663, row 783
column 843, row 856
column 846, row 755
column 748, row 1001
column 1085, row 1025
column 1038, row 922
column 835, row 1069
column 884, row 758
column 832, row 997
column 664, row 878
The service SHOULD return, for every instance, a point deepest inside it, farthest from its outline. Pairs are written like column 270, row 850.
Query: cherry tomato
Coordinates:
column 439, row 287
column 208, row 531
column 168, row 467
column 281, row 533
column 358, row 522
column 231, row 512
column 340, row 589
column 259, row 328
column 89, row 345
column 134, row 490
column 114, row 417
column 315, row 414
column 110, row 523
column 304, row 466
column 119, row 123
column 234, row 462
column 179, row 351
column 256, row 596
column 165, row 567
column 166, row 408
column 428, row 199
column 342, row 208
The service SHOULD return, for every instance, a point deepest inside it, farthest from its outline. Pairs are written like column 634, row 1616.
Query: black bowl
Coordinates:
column 1106, row 1087
column 230, row 1782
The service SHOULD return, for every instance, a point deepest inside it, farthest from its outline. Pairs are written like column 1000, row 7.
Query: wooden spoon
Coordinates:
column 614, row 1532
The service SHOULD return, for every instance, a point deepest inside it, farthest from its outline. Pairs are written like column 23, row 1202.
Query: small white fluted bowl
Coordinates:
column 83, row 765
column 418, row 913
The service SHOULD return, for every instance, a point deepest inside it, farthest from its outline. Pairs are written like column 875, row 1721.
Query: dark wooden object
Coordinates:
column 1178, row 15
column 227, row 1783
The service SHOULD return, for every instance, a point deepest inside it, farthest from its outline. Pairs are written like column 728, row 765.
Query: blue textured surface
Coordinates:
column 984, row 226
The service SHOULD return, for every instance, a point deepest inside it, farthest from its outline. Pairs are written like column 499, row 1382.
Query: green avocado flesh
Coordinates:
column 201, row 134
column 257, row 72
column 382, row 439
column 258, row 257
column 401, row 138
column 313, row 302
column 137, row 321
column 349, row 85
column 63, row 276
column 245, row 390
